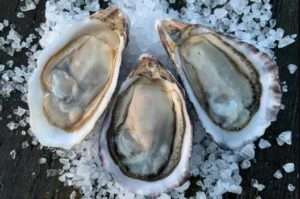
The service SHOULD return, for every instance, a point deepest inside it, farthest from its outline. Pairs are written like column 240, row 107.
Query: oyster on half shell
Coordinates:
column 233, row 87
column 146, row 139
column 76, row 78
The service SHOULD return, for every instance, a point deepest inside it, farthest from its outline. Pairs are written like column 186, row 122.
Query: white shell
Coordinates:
column 47, row 133
column 270, row 100
column 177, row 176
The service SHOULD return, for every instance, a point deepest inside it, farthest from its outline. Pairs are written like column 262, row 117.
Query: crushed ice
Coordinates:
column 81, row 167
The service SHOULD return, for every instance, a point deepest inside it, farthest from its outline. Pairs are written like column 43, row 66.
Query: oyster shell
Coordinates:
column 147, row 135
column 76, row 77
column 233, row 87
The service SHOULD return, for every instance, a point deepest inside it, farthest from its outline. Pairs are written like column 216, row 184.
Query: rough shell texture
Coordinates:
column 270, row 99
column 47, row 133
column 179, row 173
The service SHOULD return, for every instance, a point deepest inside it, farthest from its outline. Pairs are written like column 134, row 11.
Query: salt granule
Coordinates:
column 25, row 144
column 292, row 68
column 28, row 5
column 284, row 138
column 277, row 174
column 287, row 40
column 264, row 144
column 12, row 125
column 73, row 195
column 291, row 187
column 257, row 185
column 289, row 167
column 42, row 160
column 245, row 164
column 13, row 154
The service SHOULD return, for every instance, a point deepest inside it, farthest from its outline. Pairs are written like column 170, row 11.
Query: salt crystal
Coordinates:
column 284, row 88
column 20, row 15
column 289, row 167
column 183, row 187
column 19, row 111
column 245, row 164
column 284, row 138
column 12, row 126
column 257, row 185
column 25, row 144
column 220, row 13
column 264, row 144
column 292, row 68
column 287, row 40
column 277, row 174
column 291, row 187
column 34, row 142
column 42, row 160
column 23, row 132
column 248, row 152
column 73, row 195
column 28, row 5
column 2, row 67
column 1, row 26
column 52, row 172
column 200, row 195
column 5, row 22
column 13, row 154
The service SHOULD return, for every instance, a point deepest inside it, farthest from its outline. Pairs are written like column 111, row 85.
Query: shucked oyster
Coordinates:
column 75, row 79
column 146, row 138
column 233, row 87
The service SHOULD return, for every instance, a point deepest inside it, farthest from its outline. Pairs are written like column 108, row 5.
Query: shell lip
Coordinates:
column 116, row 17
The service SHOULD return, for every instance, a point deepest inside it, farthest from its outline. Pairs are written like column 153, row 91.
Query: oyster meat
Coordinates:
column 147, row 135
column 76, row 77
column 233, row 87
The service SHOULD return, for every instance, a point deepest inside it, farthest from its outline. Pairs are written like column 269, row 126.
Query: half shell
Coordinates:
column 233, row 87
column 147, row 135
column 76, row 77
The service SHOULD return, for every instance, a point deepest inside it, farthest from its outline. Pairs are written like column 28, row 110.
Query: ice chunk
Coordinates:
column 289, row 167
column 284, row 138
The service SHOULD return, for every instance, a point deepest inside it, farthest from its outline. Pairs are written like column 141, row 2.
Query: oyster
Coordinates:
column 233, row 87
column 76, row 78
column 147, row 135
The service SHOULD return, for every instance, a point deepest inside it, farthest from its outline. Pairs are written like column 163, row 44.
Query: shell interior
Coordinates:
column 224, row 82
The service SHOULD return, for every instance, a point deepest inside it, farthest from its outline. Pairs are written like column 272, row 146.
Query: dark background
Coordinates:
column 25, row 178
